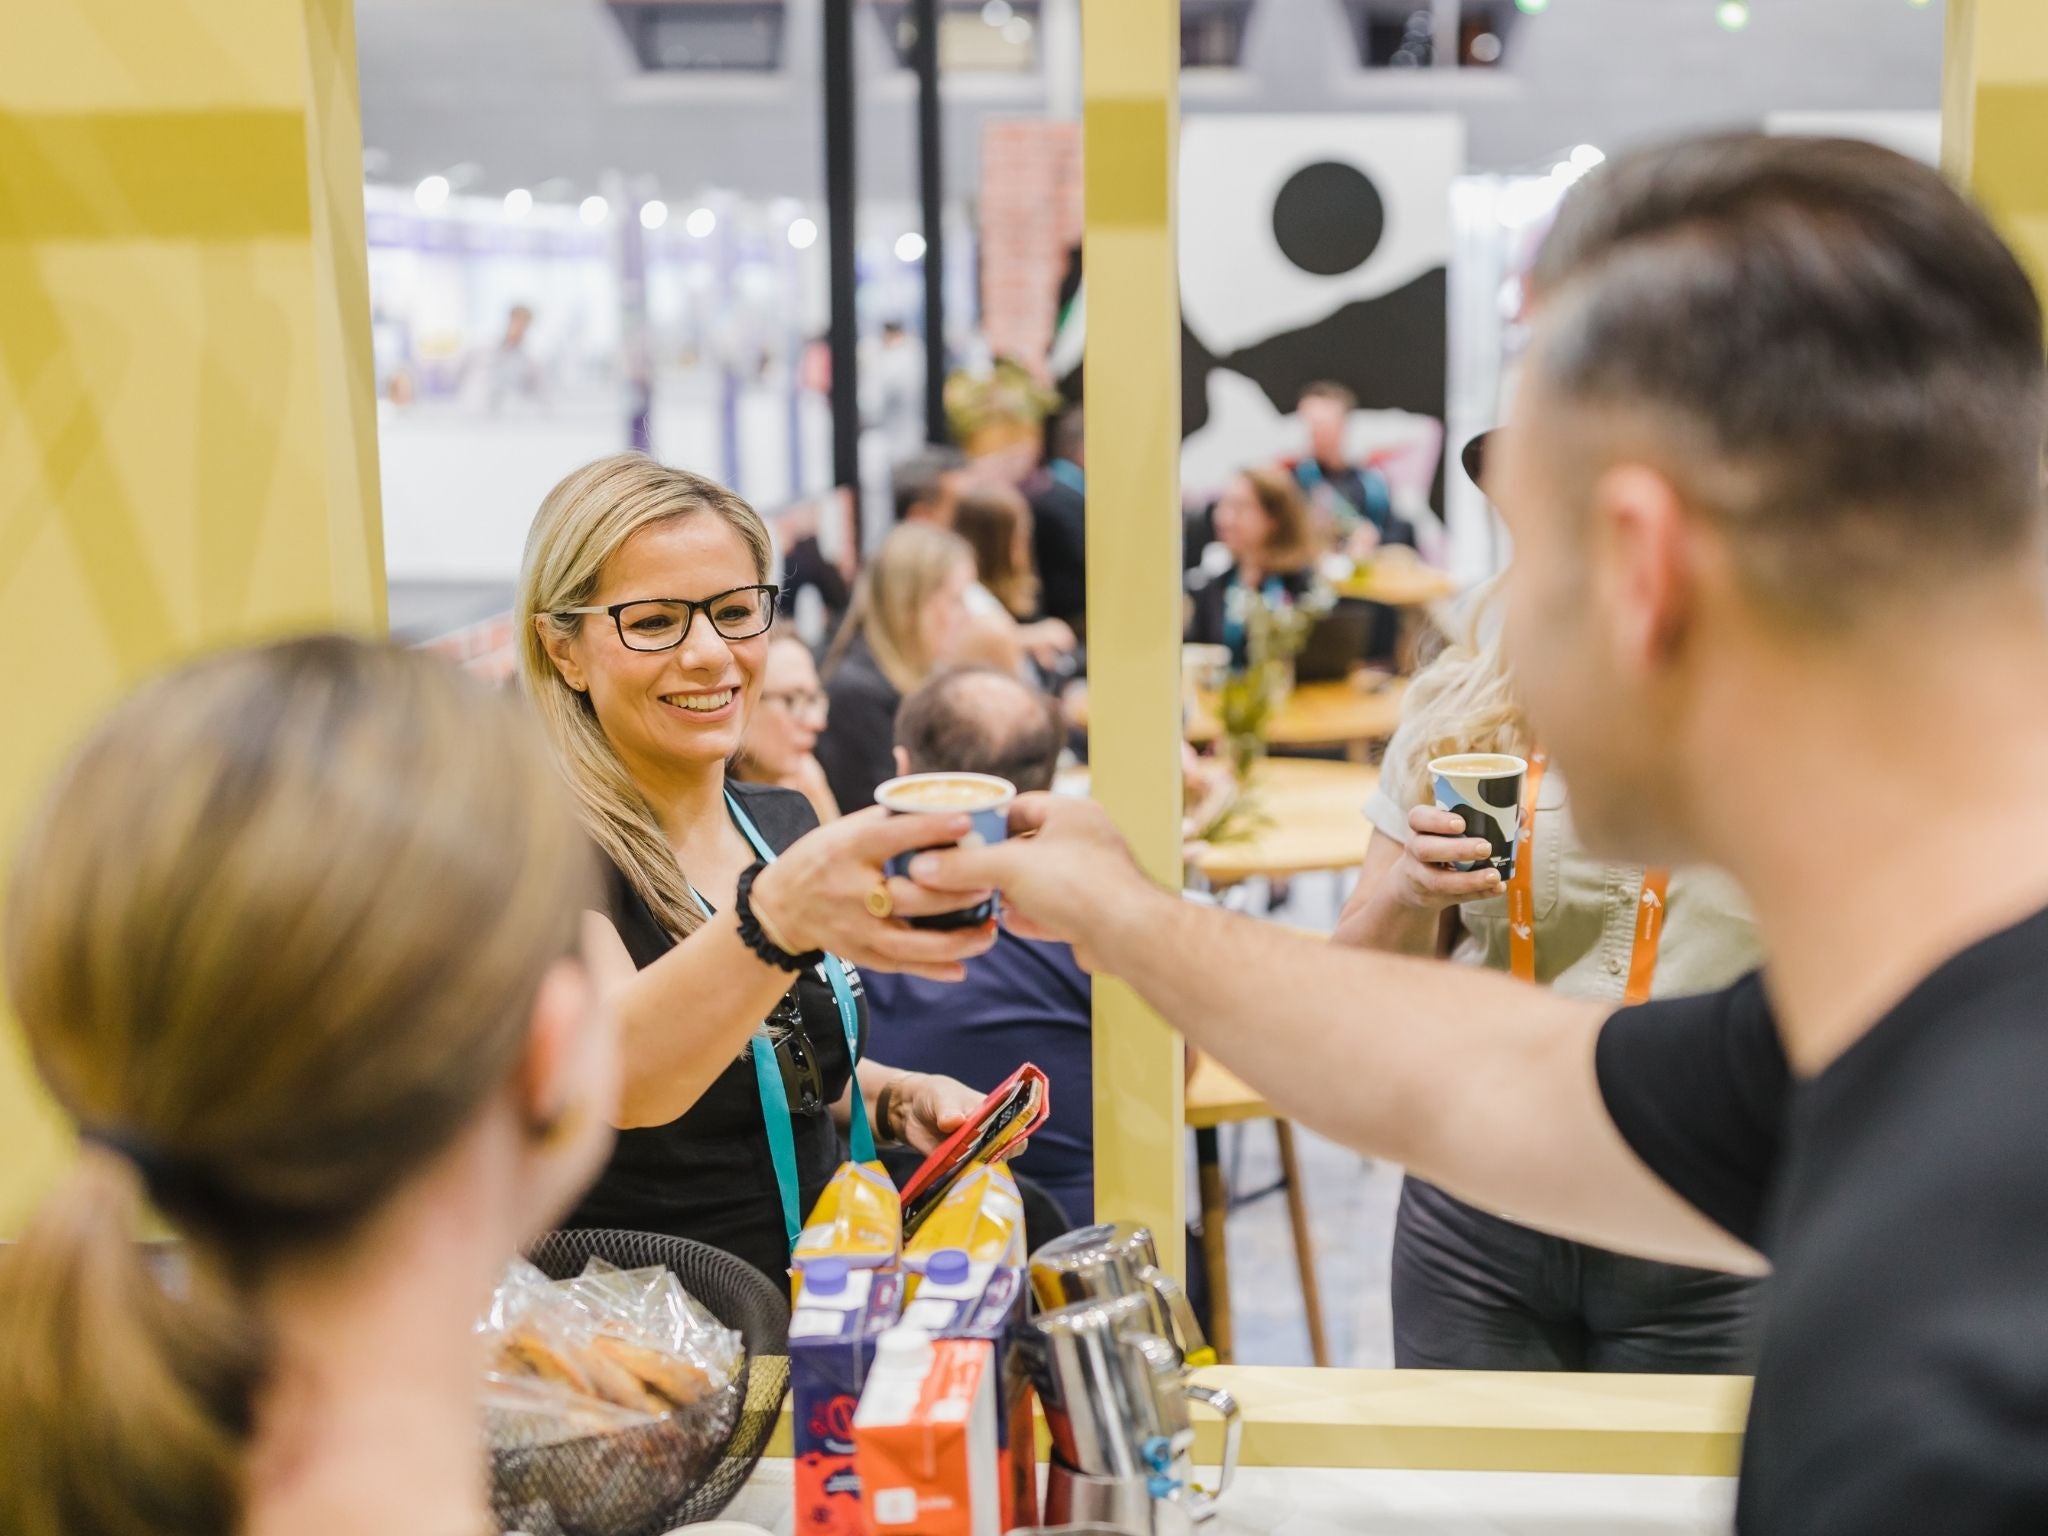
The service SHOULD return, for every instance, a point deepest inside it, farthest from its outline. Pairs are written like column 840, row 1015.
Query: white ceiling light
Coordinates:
column 803, row 234
column 1486, row 48
column 653, row 214
column 593, row 210
column 1586, row 156
column 997, row 12
column 431, row 194
column 910, row 246
column 518, row 203
column 700, row 222
column 1017, row 31
column 1733, row 14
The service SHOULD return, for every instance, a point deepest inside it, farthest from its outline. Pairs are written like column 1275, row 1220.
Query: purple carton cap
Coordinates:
column 825, row 1277
column 947, row 1266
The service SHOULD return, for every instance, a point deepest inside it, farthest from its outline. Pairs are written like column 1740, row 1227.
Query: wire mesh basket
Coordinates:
column 652, row 1477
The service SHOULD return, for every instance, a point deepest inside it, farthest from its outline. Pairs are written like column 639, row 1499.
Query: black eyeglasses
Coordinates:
column 803, row 1077
column 663, row 623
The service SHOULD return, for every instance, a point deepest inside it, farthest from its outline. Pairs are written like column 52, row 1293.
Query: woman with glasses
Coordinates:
column 644, row 613
column 783, row 735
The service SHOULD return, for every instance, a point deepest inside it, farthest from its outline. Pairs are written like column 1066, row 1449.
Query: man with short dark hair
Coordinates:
column 1024, row 1000
column 1356, row 497
column 927, row 486
column 1774, row 472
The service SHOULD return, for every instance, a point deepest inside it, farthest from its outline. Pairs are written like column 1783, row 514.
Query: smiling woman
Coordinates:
column 645, row 608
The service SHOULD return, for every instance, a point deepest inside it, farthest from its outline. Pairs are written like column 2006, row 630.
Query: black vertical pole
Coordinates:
column 931, row 182
column 839, row 202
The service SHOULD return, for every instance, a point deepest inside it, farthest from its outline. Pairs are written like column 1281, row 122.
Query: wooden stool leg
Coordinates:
column 1304, row 1243
column 1215, row 1251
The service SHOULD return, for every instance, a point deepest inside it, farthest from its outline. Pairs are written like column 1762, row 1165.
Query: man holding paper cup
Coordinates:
column 1779, row 604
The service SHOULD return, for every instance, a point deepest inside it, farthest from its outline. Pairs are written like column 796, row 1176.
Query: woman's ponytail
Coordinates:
column 126, row 1386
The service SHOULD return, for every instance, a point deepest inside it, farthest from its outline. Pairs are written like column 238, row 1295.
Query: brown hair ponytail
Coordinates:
column 273, row 939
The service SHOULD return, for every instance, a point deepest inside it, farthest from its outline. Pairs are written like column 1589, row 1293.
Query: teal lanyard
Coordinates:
column 768, row 1076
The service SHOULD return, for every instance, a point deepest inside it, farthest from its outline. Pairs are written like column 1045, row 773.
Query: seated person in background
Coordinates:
column 1262, row 522
column 781, row 739
column 1059, row 523
column 1353, row 499
column 1473, row 1290
column 927, row 486
column 299, row 941
column 909, row 618
column 1023, row 1000
column 995, row 520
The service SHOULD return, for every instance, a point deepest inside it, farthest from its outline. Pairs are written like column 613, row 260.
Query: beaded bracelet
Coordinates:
column 756, row 938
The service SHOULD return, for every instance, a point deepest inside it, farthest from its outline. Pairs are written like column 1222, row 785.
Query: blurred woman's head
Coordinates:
column 636, row 699
column 1465, row 701
column 995, row 520
column 791, row 714
column 910, row 604
column 296, row 932
column 1263, row 520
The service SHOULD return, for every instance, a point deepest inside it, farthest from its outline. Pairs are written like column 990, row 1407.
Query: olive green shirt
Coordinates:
column 1586, row 908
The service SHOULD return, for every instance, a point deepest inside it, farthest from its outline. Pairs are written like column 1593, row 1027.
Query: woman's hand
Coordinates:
column 927, row 1109
column 816, row 895
column 1047, row 641
column 1425, row 878
column 1364, row 539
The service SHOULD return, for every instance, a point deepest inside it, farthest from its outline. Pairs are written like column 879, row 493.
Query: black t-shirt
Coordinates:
column 1902, row 1198
column 709, row 1175
column 857, row 749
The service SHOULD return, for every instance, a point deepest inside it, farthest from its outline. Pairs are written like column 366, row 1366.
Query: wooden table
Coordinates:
column 1342, row 714
column 1398, row 584
column 1217, row 1097
column 1315, row 814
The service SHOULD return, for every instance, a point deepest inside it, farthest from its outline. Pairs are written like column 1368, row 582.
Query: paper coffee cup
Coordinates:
column 982, row 797
column 1484, row 790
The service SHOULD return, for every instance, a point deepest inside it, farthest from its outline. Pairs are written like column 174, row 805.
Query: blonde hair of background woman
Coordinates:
column 583, row 522
column 1464, row 700
column 889, row 600
column 282, row 921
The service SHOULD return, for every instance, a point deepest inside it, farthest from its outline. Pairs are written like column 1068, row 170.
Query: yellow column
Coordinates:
column 187, row 412
column 1131, row 122
column 1994, row 126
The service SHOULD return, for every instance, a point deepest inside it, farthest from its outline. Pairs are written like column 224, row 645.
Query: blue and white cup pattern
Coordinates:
column 1484, row 790
column 984, row 798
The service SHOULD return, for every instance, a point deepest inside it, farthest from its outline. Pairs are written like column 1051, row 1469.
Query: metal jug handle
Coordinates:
column 1194, row 1344
column 1203, row 1504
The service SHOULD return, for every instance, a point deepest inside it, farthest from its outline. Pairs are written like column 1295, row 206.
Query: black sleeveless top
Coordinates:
column 708, row 1175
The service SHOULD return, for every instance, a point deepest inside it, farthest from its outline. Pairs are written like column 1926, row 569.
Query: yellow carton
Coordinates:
column 859, row 1219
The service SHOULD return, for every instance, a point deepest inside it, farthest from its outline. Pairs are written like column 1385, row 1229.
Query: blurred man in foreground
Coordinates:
column 1758, row 366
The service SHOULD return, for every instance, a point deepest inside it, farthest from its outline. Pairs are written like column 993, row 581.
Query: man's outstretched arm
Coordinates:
column 1474, row 1081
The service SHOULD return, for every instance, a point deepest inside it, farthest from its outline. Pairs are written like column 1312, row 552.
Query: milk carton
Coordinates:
column 840, row 1314
column 926, row 1438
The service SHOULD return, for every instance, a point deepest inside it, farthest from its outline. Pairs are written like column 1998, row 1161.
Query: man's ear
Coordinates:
column 560, row 651
column 902, row 762
column 1643, row 545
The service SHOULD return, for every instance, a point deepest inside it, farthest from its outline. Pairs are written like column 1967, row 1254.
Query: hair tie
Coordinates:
column 174, row 1186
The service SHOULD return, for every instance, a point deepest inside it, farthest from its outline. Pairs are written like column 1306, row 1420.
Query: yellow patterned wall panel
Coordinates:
column 1995, row 116
column 187, row 425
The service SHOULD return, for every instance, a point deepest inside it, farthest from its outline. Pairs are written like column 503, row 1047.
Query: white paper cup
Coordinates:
column 1484, row 790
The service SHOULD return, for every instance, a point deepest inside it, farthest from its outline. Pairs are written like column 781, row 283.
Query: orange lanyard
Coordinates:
column 1650, row 902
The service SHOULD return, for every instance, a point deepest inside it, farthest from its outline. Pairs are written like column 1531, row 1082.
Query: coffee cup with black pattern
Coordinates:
column 982, row 797
column 1483, row 790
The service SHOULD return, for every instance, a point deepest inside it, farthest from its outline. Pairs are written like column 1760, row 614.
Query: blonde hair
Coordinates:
column 1463, row 701
column 274, row 937
column 1292, row 545
column 989, row 518
column 584, row 521
column 890, row 598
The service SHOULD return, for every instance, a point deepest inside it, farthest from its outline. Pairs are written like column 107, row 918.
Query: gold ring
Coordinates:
column 880, row 902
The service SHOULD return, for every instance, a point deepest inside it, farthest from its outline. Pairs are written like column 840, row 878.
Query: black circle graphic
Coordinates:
column 1328, row 218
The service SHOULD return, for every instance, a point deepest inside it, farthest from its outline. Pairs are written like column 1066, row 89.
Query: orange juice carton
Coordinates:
column 982, row 1216
column 926, row 1438
column 859, row 1218
column 840, row 1316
